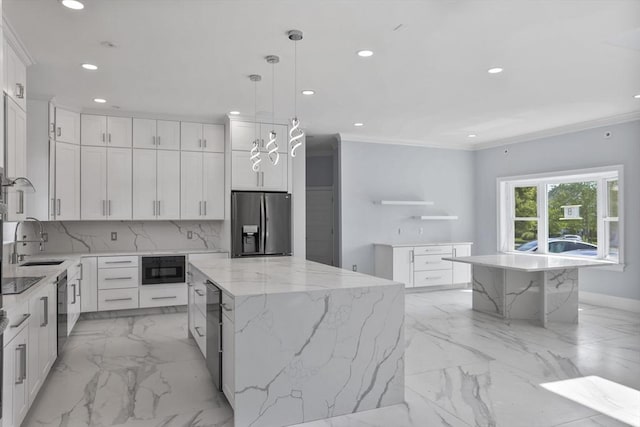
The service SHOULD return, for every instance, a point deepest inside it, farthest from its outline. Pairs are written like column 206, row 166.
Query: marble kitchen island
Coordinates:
column 527, row 286
column 308, row 341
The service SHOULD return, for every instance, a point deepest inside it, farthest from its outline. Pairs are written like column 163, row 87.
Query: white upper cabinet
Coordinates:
column 202, row 137
column 274, row 178
column 162, row 134
column 65, row 203
column 16, row 157
column 106, row 183
column 268, row 177
column 144, row 183
column 67, row 126
column 156, row 184
column 106, row 130
column 213, row 185
column 282, row 136
column 119, row 183
column 168, row 185
column 15, row 77
column 244, row 133
column 191, row 185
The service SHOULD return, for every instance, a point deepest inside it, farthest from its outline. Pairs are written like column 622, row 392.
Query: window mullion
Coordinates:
column 601, row 212
column 543, row 218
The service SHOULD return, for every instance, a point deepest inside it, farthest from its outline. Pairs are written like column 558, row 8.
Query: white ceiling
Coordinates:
column 566, row 62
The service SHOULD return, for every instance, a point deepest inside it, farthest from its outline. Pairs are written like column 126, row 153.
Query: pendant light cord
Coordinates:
column 295, row 79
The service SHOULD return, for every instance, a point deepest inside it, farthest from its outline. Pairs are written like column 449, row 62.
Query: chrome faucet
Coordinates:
column 15, row 257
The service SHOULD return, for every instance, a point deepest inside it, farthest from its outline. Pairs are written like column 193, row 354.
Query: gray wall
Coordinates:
column 393, row 172
column 577, row 150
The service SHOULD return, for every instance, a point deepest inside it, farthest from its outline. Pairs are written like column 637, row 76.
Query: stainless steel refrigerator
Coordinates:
column 260, row 224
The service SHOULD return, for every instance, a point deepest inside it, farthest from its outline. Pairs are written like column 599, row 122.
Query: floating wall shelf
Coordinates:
column 404, row 202
column 436, row 217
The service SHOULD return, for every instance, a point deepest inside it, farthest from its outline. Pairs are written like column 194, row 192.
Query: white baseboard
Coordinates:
column 603, row 300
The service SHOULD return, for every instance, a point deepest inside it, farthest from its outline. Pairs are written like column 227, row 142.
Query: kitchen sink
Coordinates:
column 41, row 263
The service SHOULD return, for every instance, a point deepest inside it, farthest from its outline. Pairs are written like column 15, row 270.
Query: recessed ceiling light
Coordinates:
column 234, row 113
column 99, row 100
column 90, row 67
column 471, row 135
column 73, row 4
column 495, row 70
column 637, row 96
column 358, row 124
column 365, row 53
column 308, row 92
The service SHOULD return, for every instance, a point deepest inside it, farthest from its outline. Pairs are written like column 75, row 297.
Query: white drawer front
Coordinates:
column 118, row 278
column 432, row 278
column 200, row 297
column 228, row 307
column 430, row 262
column 18, row 318
column 200, row 331
column 117, row 299
column 162, row 295
column 117, row 261
column 432, row 250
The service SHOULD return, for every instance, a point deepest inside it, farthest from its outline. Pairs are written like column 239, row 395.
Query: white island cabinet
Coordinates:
column 422, row 264
column 296, row 328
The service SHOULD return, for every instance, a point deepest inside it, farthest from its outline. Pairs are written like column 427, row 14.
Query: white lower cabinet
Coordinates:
column 15, row 393
column 117, row 299
column 89, row 284
column 73, row 296
column 42, row 337
column 163, row 295
column 228, row 355
column 422, row 265
column 118, row 278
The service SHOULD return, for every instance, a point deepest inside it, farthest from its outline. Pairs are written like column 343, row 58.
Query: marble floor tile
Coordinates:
column 463, row 368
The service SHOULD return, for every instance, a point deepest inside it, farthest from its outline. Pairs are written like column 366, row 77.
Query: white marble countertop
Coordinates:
column 273, row 275
column 410, row 245
column 530, row 262
column 47, row 272
column 53, row 255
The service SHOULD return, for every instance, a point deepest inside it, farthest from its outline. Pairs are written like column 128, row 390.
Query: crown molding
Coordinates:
column 12, row 38
column 398, row 141
column 560, row 130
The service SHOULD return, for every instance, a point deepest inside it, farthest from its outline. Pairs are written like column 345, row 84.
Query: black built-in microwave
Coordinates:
column 159, row 270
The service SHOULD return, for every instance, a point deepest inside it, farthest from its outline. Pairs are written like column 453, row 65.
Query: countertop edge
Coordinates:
column 410, row 245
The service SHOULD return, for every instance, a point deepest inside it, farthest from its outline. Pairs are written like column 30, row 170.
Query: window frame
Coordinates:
column 602, row 175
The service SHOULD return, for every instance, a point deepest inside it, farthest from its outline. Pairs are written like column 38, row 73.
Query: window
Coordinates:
column 574, row 214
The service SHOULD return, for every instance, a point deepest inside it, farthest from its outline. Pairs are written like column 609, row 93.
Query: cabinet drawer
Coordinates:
column 200, row 331
column 162, row 295
column 432, row 278
column 200, row 297
column 431, row 250
column 228, row 307
column 117, row 299
column 430, row 262
column 117, row 261
column 118, row 278
column 18, row 318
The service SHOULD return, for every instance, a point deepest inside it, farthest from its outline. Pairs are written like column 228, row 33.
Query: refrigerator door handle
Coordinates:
column 263, row 225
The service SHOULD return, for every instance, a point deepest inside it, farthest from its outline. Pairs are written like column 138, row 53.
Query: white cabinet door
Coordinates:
column 119, row 183
column 403, row 266
column 66, row 203
column 119, row 131
column 228, row 359
column 93, row 129
column 191, row 185
column 274, row 178
column 18, row 352
column 144, row 184
column 89, row 284
column 213, row 182
column 93, row 182
column 53, row 327
column 16, row 160
column 242, row 176
column 168, row 135
column 243, row 134
column 168, row 185
column 36, row 340
column 282, row 137
column 67, row 126
column 16, row 77
column 213, row 138
column 144, row 133
column 461, row 272
column 191, row 136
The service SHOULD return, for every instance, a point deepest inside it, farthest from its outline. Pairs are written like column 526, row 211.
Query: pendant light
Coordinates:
column 272, row 145
column 295, row 133
column 255, row 148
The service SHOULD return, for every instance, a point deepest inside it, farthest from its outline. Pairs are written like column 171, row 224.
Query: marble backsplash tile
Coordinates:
column 95, row 236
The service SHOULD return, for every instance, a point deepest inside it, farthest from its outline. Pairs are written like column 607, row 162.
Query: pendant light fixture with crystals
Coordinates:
column 295, row 133
column 272, row 145
column 255, row 148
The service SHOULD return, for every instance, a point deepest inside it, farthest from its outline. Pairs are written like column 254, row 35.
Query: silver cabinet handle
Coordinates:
column 205, row 143
column 173, row 297
column 53, row 207
column 197, row 328
column 205, row 207
column 117, row 262
column 103, row 137
column 257, row 179
column 24, row 319
column 199, row 142
column 59, row 131
column 158, row 207
column 118, row 299
column 20, row 209
column 455, row 252
column 118, row 278
column 109, row 207
column 200, row 208
column 45, row 311
column 158, row 140
column 412, row 256
column 433, row 277
column 262, row 178
column 59, row 208
column 154, row 208
column 19, row 90
column 109, row 137
column 199, row 292
column 104, row 208
column 154, row 140
column 75, row 296
column 22, row 369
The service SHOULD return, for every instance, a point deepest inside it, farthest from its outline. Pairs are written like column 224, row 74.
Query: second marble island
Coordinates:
column 300, row 341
